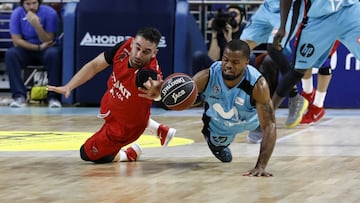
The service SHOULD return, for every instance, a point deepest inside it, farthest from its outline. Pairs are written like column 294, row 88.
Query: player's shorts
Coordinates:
column 318, row 37
column 112, row 136
column 263, row 25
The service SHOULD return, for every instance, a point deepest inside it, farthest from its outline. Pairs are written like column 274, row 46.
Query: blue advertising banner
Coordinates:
column 102, row 24
column 343, row 91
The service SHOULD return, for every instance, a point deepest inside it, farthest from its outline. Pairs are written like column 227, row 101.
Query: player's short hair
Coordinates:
column 150, row 33
column 22, row 2
column 239, row 45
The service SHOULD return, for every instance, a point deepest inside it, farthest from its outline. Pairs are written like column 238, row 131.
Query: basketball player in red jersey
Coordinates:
column 135, row 81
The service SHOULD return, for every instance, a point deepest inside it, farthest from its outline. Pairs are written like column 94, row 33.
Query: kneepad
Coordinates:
column 325, row 71
column 105, row 159
column 83, row 154
column 280, row 59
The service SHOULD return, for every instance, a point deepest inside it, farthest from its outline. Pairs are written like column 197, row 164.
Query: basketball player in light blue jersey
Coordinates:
column 325, row 22
column 261, row 29
column 237, row 98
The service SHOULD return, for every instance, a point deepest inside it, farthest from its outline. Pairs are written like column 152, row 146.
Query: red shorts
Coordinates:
column 112, row 136
column 102, row 143
column 119, row 130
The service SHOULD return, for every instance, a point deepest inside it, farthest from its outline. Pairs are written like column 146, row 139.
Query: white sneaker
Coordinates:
column 165, row 134
column 54, row 103
column 18, row 102
column 255, row 136
column 134, row 152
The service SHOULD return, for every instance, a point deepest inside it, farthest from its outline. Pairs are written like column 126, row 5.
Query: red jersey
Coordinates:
column 121, row 97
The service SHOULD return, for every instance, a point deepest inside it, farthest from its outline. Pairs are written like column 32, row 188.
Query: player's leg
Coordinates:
column 132, row 153
column 308, row 90
column 100, row 149
column 258, row 29
column 223, row 153
column 310, row 49
column 163, row 132
column 297, row 104
column 220, row 151
column 316, row 109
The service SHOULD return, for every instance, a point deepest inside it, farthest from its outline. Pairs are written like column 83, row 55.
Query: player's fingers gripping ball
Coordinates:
column 178, row 92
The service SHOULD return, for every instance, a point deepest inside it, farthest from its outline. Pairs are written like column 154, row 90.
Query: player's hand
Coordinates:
column 65, row 90
column 280, row 34
column 152, row 88
column 257, row 172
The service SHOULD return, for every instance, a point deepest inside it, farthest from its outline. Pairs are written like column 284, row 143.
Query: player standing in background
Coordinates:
column 324, row 23
column 261, row 29
column 316, row 97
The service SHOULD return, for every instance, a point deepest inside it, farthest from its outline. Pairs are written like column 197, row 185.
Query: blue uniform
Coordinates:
column 229, row 110
column 264, row 23
column 328, row 21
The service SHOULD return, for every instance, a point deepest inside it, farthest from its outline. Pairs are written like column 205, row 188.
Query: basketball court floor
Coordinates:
column 40, row 161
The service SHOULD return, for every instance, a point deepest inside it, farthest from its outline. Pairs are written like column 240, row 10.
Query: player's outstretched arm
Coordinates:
column 87, row 72
column 266, row 114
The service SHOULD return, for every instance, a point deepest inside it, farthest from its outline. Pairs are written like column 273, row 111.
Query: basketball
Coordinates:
column 178, row 92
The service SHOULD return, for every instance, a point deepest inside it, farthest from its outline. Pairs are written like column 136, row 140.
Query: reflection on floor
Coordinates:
column 316, row 163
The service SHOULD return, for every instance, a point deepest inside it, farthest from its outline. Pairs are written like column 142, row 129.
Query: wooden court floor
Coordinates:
column 318, row 163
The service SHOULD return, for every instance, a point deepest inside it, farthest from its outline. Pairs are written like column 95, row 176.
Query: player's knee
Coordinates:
column 325, row 71
column 105, row 159
column 279, row 59
column 83, row 154
column 212, row 147
column 288, row 81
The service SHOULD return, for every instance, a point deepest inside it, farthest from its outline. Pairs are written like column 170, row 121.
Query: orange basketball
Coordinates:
column 178, row 92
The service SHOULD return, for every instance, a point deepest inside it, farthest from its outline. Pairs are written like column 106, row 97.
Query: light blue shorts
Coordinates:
column 264, row 24
column 318, row 37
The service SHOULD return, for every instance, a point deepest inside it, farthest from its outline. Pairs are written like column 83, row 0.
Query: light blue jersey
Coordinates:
column 325, row 7
column 228, row 110
column 320, row 33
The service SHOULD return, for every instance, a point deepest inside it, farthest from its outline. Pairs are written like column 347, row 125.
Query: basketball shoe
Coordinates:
column 223, row 155
column 310, row 97
column 165, row 134
column 134, row 152
column 297, row 107
column 313, row 114
column 255, row 136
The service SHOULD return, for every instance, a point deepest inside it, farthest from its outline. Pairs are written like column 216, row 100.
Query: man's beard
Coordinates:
column 231, row 77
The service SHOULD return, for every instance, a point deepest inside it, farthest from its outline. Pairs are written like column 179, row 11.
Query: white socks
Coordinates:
column 123, row 156
column 319, row 99
column 153, row 125
column 307, row 85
